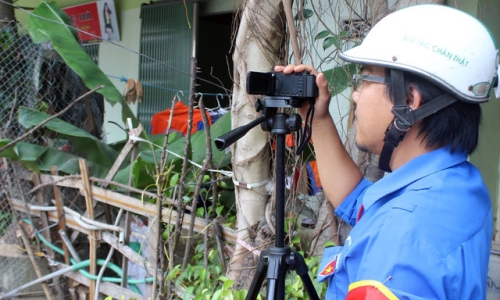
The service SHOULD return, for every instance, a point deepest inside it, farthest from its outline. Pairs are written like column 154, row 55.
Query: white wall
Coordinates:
column 117, row 62
column 327, row 59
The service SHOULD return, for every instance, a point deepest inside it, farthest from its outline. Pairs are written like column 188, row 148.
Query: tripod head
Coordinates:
column 270, row 120
column 281, row 91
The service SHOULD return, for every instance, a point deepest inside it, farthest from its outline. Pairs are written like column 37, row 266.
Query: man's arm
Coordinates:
column 338, row 173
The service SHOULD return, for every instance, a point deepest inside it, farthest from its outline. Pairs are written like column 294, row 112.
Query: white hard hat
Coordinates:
column 439, row 43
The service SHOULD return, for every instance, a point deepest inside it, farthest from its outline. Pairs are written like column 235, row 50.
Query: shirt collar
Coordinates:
column 412, row 171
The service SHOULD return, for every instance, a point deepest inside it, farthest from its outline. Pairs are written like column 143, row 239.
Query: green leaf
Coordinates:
column 219, row 209
column 331, row 41
column 329, row 244
column 203, row 274
column 220, row 158
column 216, row 295
column 323, row 34
column 308, row 13
column 89, row 146
column 56, row 15
column 339, row 78
column 200, row 212
column 328, row 42
column 143, row 168
column 39, row 158
column 48, row 22
column 174, row 179
column 227, row 284
column 344, row 34
column 187, row 293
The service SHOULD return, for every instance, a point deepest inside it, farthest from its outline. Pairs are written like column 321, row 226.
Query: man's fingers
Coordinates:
column 324, row 91
column 279, row 68
column 296, row 69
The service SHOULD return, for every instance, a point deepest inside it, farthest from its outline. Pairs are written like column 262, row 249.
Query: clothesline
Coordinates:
column 123, row 79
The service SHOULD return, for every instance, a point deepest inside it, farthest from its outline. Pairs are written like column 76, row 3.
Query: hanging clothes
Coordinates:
column 159, row 122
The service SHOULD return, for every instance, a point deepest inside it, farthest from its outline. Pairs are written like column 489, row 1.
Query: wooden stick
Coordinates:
column 92, row 235
column 129, row 253
column 32, row 257
column 43, row 216
column 126, row 231
column 62, row 226
column 45, row 225
column 287, row 6
column 128, row 203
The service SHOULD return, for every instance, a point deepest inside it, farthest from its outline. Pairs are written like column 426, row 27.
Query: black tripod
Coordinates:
column 277, row 260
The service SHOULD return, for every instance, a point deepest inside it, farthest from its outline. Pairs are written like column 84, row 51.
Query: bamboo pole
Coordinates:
column 35, row 178
column 62, row 226
column 126, row 202
column 31, row 255
column 92, row 235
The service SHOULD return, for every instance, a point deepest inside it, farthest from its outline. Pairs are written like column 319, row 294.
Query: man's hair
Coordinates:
column 456, row 125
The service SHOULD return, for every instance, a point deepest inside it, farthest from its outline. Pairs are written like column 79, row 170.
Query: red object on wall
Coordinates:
column 85, row 17
column 96, row 21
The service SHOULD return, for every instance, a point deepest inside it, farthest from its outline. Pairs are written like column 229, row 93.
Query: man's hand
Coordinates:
column 323, row 101
column 338, row 172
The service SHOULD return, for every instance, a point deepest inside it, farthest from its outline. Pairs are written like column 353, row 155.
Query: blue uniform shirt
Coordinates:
column 424, row 233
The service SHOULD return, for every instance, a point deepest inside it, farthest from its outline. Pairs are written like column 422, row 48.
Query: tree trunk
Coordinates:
column 257, row 47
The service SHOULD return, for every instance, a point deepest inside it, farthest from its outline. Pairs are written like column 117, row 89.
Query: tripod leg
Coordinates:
column 297, row 263
column 258, row 279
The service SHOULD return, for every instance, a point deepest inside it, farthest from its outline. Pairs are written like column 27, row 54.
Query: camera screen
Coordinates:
column 259, row 83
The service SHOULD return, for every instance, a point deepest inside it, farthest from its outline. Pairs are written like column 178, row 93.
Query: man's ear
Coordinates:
column 414, row 97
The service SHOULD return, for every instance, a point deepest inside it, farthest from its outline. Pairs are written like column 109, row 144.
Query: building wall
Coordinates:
column 119, row 62
column 487, row 156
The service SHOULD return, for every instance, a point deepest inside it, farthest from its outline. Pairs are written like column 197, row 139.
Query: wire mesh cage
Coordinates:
column 35, row 77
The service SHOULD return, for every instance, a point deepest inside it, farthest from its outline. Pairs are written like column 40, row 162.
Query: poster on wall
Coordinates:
column 97, row 21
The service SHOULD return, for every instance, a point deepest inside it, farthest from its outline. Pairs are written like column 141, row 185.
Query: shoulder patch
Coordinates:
column 329, row 268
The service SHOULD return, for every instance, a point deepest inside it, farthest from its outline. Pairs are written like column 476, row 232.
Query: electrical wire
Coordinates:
column 132, row 282
column 110, row 254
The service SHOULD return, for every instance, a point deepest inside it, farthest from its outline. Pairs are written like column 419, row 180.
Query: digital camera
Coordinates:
column 296, row 85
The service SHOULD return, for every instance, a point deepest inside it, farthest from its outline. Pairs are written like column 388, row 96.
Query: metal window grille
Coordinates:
column 166, row 36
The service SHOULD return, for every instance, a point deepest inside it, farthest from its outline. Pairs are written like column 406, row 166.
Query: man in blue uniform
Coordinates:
column 424, row 230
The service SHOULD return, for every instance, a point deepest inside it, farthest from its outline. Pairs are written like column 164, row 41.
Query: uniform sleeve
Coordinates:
column 349, row 208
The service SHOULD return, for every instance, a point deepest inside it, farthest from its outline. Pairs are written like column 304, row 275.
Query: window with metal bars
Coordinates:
column 165, row 67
